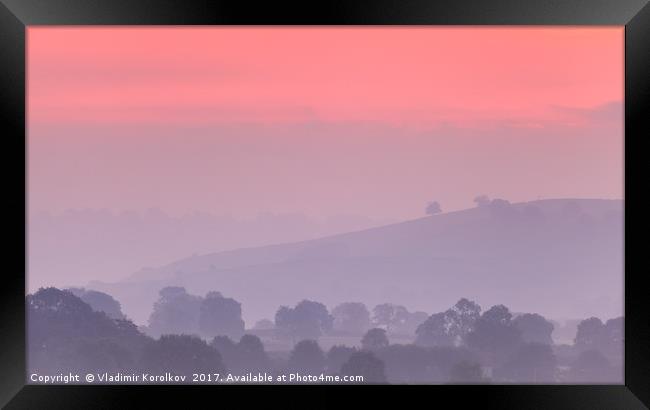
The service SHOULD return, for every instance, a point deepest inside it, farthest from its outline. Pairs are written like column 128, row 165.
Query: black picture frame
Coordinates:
column 17, row 15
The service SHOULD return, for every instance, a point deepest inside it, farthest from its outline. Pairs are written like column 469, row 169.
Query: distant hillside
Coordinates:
column 109, row 245
column 561, row 257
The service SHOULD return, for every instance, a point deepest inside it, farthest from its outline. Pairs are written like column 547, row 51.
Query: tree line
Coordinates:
column 81, row 330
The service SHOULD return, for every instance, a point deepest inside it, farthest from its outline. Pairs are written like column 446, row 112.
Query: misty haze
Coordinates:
column 550, row 270
column 275, row 205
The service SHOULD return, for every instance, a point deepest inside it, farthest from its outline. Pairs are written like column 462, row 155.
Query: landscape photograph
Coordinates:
column 325, row 205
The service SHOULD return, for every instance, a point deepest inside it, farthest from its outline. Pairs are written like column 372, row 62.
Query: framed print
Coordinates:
column 426, row 198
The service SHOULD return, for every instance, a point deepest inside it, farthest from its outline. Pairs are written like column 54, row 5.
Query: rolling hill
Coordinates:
column 559, row 257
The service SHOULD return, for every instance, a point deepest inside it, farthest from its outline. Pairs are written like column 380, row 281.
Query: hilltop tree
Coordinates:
column 433, row 208
column 482, row 200
column 501, row 209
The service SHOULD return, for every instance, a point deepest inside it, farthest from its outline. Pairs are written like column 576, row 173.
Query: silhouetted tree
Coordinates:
column 227, row 348
column 410, row 324
column 534, row 328
column 449, row 328
column 389, row 316
column 467, row 313
column 614, row 336
column 607, row 338
column 467, row 373
column 336, row 356
column 589, row 334
column 66, row 334
column 409, row 364
column 614, row 331
column 175, row 312
column 591, row 366
column 100, row 302
column 251, row 356
column 220, row 316
column 285, row 325
column 52, row 311
column 307, row 357
column 351, row 318
column 494, row 335
column 482, row 200
column 433, row 208
column 374, row 339
column 501, row 209
column 182, row 355
column 531, row 363
column 365, row 364
column 307, row 320
column 437, row 330
column 103, row 356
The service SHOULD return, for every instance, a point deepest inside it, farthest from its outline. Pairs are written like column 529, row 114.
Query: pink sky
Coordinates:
column 325, row 121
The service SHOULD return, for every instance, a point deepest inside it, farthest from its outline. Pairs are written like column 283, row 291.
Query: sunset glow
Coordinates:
column 191, row 105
